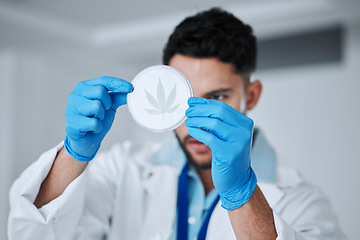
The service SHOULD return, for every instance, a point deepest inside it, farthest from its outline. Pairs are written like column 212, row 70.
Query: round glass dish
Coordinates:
column 159, row 100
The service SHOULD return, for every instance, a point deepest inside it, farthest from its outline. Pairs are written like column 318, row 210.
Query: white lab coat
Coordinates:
column 122, row 195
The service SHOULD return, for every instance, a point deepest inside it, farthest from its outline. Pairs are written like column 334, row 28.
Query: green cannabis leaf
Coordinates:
column 162, row 104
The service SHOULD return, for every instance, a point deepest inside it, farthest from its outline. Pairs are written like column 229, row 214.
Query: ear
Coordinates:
column 253, row 94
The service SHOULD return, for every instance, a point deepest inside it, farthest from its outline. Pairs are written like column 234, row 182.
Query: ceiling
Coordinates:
column 97, row 13
column 140, row 28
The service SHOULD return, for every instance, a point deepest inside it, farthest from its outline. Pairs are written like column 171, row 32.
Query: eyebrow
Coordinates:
column 222, row 90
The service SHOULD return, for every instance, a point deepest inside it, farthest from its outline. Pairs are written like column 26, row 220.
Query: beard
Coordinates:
column 190, row 159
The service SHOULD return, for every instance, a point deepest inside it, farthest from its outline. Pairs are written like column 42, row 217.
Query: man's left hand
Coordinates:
column 228, row 133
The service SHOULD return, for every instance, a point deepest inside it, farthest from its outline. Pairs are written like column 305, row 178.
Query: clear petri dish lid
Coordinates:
column 159, row 100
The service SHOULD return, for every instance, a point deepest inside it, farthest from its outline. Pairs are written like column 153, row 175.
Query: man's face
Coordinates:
column 212, row 79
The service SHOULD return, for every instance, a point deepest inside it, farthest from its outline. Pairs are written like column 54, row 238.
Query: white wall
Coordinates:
column 7, row 59
column 310, row 114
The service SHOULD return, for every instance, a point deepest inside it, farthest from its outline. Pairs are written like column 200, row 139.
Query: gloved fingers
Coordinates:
column 201, row 107
column 112, row 84
column 93, row 93
column 91, row 108
column 74, row 134
column 209, row 139
column 79, row 124
column 210, row 111
column 222, row 130
column 118, row 99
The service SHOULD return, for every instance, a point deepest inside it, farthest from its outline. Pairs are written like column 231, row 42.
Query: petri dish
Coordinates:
column 159, row 100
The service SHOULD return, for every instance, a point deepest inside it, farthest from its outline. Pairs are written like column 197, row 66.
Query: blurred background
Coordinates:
column 309, row 58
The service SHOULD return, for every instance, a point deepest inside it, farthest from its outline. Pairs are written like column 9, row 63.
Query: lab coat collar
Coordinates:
column 170, row 154
column 263, row 158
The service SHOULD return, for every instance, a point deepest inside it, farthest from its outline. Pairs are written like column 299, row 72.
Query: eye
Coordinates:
column 218, row 97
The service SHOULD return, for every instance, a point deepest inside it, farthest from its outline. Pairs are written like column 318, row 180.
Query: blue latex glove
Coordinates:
column 229, row 136
column 90, row 112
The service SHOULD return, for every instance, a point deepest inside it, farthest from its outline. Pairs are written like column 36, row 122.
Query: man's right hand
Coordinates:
column 90, row 112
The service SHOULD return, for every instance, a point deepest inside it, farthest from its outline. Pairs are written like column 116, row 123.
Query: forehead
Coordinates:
column 207, row 74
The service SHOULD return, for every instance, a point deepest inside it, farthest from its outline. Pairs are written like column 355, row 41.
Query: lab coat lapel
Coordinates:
column 272, row 193
column 161, row 188
column 220, row 226
column 263, row 161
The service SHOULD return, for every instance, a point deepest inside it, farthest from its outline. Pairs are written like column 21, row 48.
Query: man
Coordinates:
column 172, row 191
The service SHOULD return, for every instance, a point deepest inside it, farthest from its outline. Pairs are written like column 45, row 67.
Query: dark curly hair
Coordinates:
column 214, row 33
